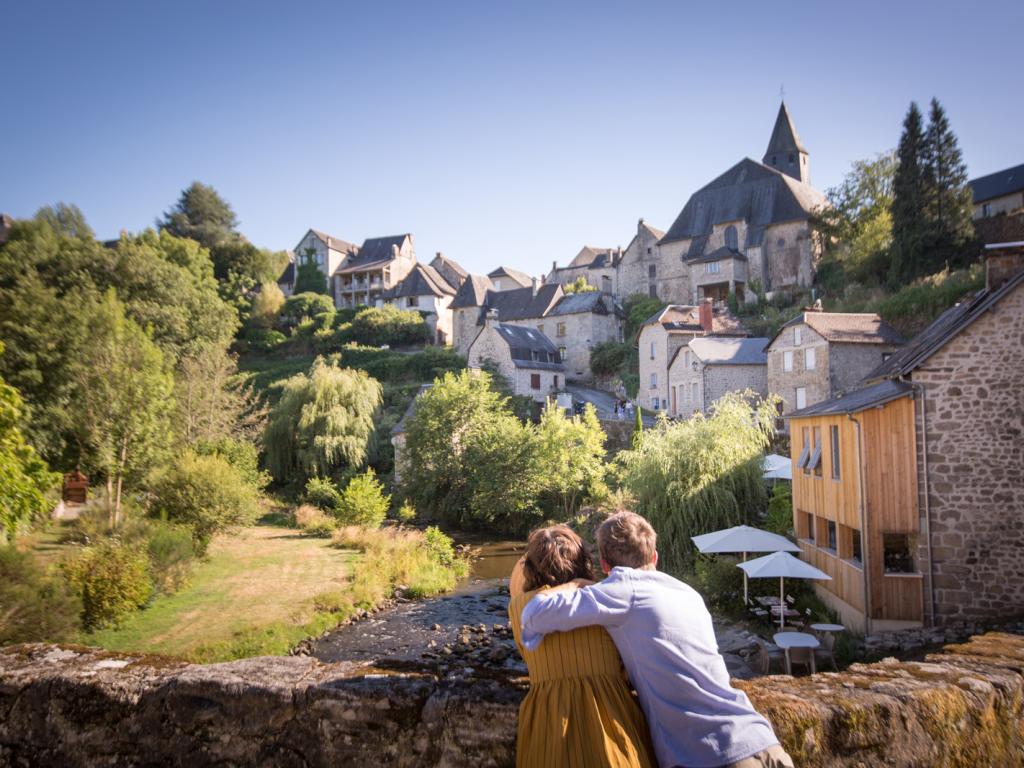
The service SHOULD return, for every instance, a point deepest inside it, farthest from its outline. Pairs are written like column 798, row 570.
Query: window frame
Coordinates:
column 787, row 361
column 797, row 397
column 805, row 453
column 815, row 461
column 810, row 359
column 833, row 436
column 910, row 559
column 797, row 336
column 831, row 537
column 535, row 381
column 654, row 380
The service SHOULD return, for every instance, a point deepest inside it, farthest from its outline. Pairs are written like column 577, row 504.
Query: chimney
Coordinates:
column 536, row 285
column 440, row 255
column 1003, row 262
column 554, row 265
column 706, row 315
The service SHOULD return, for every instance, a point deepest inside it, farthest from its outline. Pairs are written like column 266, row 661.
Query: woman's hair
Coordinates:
column 555, row 555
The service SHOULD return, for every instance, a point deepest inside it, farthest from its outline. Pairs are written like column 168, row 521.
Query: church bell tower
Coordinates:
column 786, row 153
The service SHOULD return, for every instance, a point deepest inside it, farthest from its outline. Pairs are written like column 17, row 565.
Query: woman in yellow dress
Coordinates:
column 579, row 712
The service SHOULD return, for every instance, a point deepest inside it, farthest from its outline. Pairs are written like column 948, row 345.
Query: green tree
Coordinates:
column 322, row 422
column 309, row 278
column 24, row 477
column 388, row 325
column 113, row 580
column 213, row 402
column 638, row 309
column 579, row 285
column 266, row 306
column 207, row 494
column 65, row 219
column 201, row 214
column 123, row 397
column 302, row 305
column 698, row 475
column 909, row 228
column 638, row 429
column 948, row 199
column 856, row 226
column 571, row 456
column 363, row 502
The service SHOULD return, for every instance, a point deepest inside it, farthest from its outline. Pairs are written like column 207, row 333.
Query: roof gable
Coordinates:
column 422, row 280
column 519, row 277
column 846, row 328
column 473, row 292
column 334, row 243
column 997, row 184
column 749, row 191
column 523, row 303
column 784, row 136
column 714, row 350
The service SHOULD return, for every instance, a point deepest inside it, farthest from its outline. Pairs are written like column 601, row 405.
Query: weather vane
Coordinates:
column 782, row 91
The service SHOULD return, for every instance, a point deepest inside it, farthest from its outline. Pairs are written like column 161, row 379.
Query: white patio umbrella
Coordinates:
column 782, row 565
column 743, row 538
column 778, row 467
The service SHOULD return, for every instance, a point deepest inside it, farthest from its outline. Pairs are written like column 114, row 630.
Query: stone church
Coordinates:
column 746, row 231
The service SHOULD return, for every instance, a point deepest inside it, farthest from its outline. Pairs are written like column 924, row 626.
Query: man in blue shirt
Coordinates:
column 667, row 642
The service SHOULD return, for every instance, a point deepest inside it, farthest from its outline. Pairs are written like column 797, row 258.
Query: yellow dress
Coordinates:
column 579, row 712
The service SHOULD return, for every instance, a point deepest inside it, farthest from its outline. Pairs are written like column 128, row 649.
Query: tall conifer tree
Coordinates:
column 947, row 197
column 908, row 221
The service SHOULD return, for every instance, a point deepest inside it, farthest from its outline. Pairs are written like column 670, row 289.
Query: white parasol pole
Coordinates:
column 744, row 582
column 782, row 605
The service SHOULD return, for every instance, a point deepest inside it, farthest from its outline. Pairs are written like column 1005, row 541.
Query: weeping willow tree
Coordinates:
column 700, row 475
column 322, row 423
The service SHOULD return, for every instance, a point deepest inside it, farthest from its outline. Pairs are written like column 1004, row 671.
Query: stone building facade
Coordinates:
column 968, row 379
column 708, row 368
column 525, row 357
column 820, row 355
column 597, row 266
column 998, row 194
column 424, row 290
column 661, row 337
column 640, row 268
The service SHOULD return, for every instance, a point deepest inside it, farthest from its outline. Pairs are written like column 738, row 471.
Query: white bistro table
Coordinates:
column 828, row 627
column 787, row 640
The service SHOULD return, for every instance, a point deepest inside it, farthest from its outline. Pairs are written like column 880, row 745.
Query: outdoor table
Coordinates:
column 767, row 601
column 787, row 640
column 828, row 627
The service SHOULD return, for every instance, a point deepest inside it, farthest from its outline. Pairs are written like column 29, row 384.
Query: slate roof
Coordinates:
column 784, row 136
column 593, row 258
column 748, row 191
column 686, row 319
column 857, row 400
column 725, row 252
column 449, row 269
column 422, row 280
column 945, row 327
column 335, row 243
column 997, row 184
column 530, row 348
column 598, row 302
column 714, row 350
column 847, row 328
column 288, row 276
column 522, row 303
column 473, row 292
column 520, row 277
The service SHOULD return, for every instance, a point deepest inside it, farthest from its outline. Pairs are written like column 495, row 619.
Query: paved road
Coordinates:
column 603, row 401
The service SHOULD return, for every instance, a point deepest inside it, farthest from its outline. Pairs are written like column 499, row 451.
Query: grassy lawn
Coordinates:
column 253, row 594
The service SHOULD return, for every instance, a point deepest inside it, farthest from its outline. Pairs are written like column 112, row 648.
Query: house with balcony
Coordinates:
column 709, row 367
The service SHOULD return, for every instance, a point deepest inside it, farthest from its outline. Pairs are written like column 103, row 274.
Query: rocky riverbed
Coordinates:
column 466, row 632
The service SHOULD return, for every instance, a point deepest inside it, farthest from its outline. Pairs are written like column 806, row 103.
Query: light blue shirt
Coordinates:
column 664, row 634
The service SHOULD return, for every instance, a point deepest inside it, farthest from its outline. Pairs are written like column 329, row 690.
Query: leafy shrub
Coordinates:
column 263, row 340
column 207, row 494
column 406, row 513
column 266, row 306
column 305, row 515
column 35, row 606
column 780, row 510
column 306, row 305
column 321, row 493
column 322, row 529
column 387, row 325
column 314, row 522
column 718, row 579
column 363, row 502
column 171, row 552
column 610, row 357
column 113, row 580
column 440, row 546
column 241, row 454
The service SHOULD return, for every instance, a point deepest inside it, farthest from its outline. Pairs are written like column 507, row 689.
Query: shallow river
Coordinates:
column 466, row 627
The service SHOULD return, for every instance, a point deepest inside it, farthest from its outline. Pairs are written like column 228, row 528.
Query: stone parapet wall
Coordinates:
column 73, row 706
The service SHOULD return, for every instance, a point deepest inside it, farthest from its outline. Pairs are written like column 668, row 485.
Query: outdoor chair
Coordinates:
column 804, row 656
column 765, row 655
column 825, row 650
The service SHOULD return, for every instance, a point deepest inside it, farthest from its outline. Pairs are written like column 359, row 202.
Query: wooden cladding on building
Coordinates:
column 832, row 469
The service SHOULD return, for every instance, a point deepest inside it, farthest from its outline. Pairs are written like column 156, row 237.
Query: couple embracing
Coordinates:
column 581, row 639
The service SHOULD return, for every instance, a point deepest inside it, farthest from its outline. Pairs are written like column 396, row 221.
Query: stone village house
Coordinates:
column 524, row 356
column 909, row 491
column 426, row 291
column 819, row 355
column 708, row 367
column 597, row 266
column 663, row 334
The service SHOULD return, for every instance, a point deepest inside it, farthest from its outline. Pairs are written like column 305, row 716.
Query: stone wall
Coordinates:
column 464, row 328
column 81, row 707
column 974, row 397
column 784, row 383
column 849, row 363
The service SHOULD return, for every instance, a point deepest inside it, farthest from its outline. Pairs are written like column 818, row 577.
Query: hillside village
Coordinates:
column 871, row 417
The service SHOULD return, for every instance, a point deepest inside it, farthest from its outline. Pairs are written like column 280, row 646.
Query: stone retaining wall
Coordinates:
column 74, row 706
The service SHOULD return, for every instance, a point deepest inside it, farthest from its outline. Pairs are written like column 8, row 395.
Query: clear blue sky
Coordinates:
column 507, row 133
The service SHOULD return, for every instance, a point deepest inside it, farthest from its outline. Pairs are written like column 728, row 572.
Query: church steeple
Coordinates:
column 785, row 151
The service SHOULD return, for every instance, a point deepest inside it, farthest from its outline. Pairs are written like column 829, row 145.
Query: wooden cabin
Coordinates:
column 855, row 504
column 76, row 487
